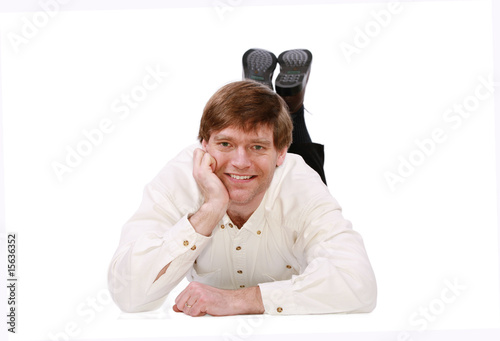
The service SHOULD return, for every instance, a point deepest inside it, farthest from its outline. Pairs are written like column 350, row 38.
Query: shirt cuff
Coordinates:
column 180, row 243
column 182, row 236
column 278, row 298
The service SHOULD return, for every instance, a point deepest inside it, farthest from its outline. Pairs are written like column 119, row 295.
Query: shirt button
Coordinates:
column 230, row 225
column 193, row 248
column 259, row 232
column 239, row 271
column 238, row 248
column 242, row 286
column 279, row 310
column 222, row 227
column 186, row 243
column 288, row 266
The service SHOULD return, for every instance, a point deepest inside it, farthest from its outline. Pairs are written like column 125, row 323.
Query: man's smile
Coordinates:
column 241, row 177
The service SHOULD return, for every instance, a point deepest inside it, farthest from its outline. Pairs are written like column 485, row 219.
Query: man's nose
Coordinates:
column 241, row 158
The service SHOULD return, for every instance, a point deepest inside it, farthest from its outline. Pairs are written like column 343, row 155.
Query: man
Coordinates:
column 253, row 228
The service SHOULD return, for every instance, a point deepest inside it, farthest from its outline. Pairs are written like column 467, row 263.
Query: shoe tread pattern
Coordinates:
column 259, row 61
column 295, row 66
column 259, row 65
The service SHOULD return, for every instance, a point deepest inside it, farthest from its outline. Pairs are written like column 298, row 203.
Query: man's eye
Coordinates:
column 224, row 144
column 258, row 147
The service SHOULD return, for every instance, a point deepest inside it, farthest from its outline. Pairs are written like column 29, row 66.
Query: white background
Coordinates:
column 439, row 226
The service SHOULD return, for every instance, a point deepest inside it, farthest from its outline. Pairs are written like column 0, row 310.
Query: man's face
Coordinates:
column 245, row 162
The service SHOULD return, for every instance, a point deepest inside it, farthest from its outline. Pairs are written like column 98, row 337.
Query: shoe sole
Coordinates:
column 259, row 65
column 295, row 66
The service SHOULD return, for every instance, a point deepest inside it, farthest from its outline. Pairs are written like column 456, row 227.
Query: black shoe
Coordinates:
column 295, row 66
column 259, row 66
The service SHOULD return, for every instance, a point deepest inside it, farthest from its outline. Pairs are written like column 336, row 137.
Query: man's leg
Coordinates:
column 312, row 153
column 295, row 67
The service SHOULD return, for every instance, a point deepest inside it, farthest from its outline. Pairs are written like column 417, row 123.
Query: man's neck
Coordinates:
column 239, row 214
column 239, row 221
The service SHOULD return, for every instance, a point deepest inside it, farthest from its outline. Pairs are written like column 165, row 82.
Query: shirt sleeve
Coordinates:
column 336, row 276
column 159, row 233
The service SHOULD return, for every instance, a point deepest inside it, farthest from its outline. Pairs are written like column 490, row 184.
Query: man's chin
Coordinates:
column 240, row 197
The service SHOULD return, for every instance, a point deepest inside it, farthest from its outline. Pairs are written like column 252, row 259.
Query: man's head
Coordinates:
column 247, row 106
column 247, row 129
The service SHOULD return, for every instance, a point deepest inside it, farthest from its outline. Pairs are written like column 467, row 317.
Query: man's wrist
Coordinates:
column 250, row 301
column 207, row 217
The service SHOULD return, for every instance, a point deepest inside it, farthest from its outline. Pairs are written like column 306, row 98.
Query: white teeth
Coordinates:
column 237, row 177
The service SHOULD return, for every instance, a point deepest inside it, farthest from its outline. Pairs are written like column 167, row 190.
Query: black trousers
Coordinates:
column 313, row 154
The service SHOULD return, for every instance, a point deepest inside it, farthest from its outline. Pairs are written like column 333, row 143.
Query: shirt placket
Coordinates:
column 239, row 250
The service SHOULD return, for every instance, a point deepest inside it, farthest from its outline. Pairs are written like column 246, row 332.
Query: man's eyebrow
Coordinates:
column 262, row 141
column 221, row 137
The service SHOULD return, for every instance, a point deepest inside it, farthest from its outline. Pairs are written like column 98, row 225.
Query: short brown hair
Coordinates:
column 247, row 105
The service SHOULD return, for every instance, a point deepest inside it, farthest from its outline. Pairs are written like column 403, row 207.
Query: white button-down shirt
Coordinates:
column 296, row 246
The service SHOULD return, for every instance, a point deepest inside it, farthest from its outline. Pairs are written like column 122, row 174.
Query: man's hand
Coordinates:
column 199, row 299
column 211, row 186
column 214, row 192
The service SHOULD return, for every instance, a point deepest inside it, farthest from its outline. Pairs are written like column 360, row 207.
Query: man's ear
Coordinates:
column 281, row 157
column 204, row 145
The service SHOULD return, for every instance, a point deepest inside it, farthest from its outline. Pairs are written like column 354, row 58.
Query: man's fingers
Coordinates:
column 198, row 156
column 209, row 161
column 190, row 310
column 185, row 302
column 181, row 299
column 203, row 160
